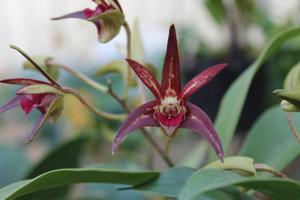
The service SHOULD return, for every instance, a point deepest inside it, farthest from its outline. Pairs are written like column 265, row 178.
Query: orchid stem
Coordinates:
column 127, row 82
column 265, row 168
column 39, row 68
column 81, row 76
column 106, row 115
column 167, row 160
column 168, row 142
column 293, row 127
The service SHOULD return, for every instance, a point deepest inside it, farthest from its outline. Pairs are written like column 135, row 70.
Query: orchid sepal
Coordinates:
column 142, row 116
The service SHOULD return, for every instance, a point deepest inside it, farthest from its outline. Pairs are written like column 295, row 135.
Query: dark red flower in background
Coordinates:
column 42, row 101
column 170, row 110
column 107, row 16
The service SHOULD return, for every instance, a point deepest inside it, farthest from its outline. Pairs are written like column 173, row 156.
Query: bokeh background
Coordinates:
column 208, row 34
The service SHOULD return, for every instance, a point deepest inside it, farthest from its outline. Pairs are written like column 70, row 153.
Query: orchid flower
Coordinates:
column 107, row 16
column 35, row 94
column 171, row 110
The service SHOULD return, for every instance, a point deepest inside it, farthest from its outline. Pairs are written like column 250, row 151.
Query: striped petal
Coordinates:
column 23, row 81
column 198, row 121
column 142, row 116
column 201, row 79
column 171, row 70
column 146, row 77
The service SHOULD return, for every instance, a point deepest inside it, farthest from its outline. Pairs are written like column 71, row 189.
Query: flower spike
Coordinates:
column 170, row 110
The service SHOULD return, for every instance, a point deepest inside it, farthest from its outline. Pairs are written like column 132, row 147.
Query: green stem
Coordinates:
column 293, row 127
column 40, row 69
column 81, row 76
column 265, row 168
column 119, row 117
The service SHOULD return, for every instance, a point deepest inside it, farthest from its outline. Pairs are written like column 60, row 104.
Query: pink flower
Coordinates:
column 171, row 110
column 42, row 101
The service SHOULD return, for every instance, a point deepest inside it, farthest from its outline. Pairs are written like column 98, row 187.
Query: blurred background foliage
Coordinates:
column 81, row 138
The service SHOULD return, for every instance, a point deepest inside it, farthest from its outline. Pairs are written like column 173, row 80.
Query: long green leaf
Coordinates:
column 66, row 155
column 270, row 140
column 206, row 180
column 62, row 177
column 233, row 101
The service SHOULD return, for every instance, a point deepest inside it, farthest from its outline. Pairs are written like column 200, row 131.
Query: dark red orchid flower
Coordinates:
column 170, row 110
column 34, row 94
column 107, row 16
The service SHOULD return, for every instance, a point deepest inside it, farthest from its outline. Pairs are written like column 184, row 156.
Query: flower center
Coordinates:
column 170, row 107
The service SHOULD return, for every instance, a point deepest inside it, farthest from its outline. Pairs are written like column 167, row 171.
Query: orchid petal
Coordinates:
column 171, row 70
column 198, row 121
column 78, row 15
column 201, row 79
column 23, row 81
column 14, row 102
column 139, row 118
column 52, row 109
column 146, row 77
column 36, row 128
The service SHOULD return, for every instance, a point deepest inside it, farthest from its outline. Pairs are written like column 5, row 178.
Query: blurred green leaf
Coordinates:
column 270, row 141
column 216, row 9
column 137, row 51
column 292, row 80
column 13, row 164
column 66, row 155
column 234, row 98
column 62, row 177
column 206, row 180
column 42, row 61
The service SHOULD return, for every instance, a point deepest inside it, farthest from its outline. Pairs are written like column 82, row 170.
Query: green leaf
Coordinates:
column 233, row 101
column 62, row 177
column 65, row 155
column 111, row 22
column 229, row 193
column 239, row 164
column 42, row 61
column 137, row 51
column 270, row 140
column 206, row 180
column 169, row 183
